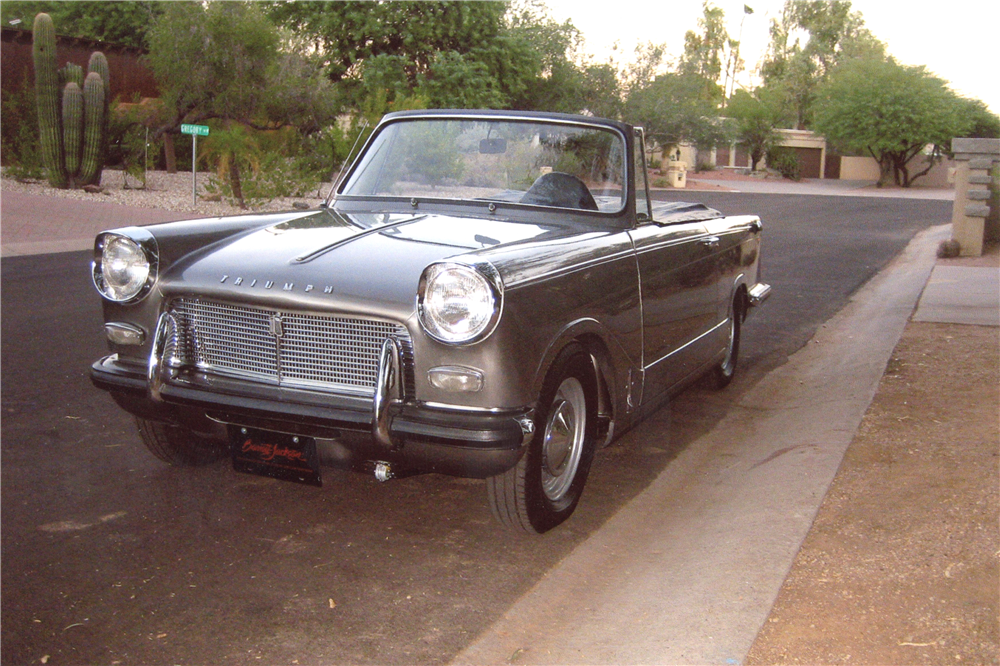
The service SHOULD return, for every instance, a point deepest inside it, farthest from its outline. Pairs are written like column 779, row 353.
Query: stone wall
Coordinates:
column 975, row 214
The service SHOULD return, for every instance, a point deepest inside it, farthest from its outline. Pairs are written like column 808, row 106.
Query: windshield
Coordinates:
column 521, row 162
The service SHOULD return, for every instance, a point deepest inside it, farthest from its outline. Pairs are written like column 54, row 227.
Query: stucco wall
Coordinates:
column 858, row 168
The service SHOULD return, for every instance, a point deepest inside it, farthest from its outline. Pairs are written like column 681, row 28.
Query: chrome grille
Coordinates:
column 323, row 352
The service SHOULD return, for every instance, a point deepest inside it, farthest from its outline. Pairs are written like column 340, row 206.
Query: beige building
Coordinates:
column 809, row 147
column 815, row 160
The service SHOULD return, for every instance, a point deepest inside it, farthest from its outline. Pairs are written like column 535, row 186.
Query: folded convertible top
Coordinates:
column 682, row 211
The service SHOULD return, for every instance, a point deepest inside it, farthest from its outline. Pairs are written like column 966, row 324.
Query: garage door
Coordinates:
column 810, row 160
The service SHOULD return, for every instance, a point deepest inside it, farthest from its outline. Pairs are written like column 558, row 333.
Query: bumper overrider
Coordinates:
column 410, row 435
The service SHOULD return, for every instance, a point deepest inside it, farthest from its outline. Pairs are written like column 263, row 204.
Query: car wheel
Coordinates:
column 178, row 445
column 543, row 489
column 726, row 369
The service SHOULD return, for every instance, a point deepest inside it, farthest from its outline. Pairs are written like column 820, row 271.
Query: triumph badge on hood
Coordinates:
column 269, row 284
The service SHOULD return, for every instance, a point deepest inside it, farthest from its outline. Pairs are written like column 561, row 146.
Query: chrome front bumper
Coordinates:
column 410, row 434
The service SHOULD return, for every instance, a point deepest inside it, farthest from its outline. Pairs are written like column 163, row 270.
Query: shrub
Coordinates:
column 19, row 145
column 785, row 162
column 275, row 177
column 992, row 232
column 127, row 149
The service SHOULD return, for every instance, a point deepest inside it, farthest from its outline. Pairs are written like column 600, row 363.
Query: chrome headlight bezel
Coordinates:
column 142, row 246
column 486, row 304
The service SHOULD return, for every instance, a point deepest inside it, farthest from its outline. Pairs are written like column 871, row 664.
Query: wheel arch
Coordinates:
column 739, row 294
column 592, row 338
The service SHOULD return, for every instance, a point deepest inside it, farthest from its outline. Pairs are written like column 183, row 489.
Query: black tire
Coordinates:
column 178, row 445
column 726, row 370
column 543, row 489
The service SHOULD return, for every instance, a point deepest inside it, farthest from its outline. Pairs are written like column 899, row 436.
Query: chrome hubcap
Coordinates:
column 562, row 446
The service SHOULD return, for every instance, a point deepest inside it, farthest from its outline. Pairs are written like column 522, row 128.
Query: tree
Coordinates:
column 348, row 33
column 641, row 70
column 298, row 94
column 891, row 112
column 233, row 149
column 533, row 60
column 226, row 60
column 809, row 39
column 212, row 60
column 458, row 82
column 672, row 111
column 703, row 53
column 486, row 54
column 734, row 63
column 983, row 124
column 755, row 117
column 118, row 22
column 602, row 89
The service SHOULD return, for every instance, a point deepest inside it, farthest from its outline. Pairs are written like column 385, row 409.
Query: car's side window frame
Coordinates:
column 643, row 206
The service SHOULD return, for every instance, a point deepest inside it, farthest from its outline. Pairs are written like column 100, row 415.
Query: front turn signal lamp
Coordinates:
column 456, row 379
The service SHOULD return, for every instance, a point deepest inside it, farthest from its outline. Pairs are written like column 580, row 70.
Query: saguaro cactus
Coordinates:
column 99, row 65
column 71, row 72
column 47, row 98
column 94, row 102
column 72, row 121
column 73, row 132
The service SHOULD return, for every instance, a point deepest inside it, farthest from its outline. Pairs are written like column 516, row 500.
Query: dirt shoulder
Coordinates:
column 901, row 564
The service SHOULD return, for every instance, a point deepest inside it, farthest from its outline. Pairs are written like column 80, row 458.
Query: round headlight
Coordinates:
column 122, row 270
column 458, row 303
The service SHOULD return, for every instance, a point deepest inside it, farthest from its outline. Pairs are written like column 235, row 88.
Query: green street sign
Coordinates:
column 200, row 130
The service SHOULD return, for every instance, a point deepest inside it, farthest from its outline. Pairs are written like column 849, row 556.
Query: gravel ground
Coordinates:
column 164, row 191
column 172, row 191
column 900, row 566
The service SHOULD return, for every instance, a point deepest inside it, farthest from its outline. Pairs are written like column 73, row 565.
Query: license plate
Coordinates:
column 276, row 455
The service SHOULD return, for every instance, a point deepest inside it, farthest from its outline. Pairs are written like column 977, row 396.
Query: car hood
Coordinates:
column 350, row 262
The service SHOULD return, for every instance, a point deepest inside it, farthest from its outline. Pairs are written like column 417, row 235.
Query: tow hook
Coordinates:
column 383, row 471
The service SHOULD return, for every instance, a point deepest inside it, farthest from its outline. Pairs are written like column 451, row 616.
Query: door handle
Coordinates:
column 711, row 242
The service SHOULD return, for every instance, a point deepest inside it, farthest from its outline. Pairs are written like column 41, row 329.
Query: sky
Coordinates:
column 956, row 40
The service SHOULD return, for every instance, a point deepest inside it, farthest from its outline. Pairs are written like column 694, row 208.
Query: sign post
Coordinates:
column 195, row 131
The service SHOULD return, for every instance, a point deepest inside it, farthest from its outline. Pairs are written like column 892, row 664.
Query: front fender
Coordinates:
column 617, row 370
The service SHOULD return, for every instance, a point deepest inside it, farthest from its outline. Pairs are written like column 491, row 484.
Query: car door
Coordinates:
column 679, row 293
column 678, row 289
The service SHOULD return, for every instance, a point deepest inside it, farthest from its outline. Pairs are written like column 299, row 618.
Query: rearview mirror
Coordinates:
column 493, row 146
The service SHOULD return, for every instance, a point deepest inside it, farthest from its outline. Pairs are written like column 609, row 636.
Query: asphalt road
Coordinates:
column 108, row 556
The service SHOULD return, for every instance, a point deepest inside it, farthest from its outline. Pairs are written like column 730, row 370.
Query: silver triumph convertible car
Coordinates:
column 485, row 294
